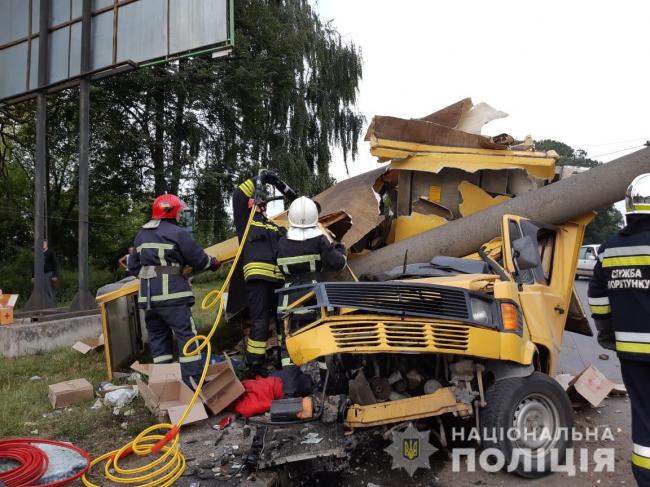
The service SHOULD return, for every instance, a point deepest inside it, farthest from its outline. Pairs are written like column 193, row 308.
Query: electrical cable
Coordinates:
column 33, row 462
column 165, row 470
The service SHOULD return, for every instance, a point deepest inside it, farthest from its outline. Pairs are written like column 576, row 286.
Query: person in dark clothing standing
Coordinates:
column 162, row 250
column 619, row 300
column 261, row 273
column 50, row 268
column 304, row 253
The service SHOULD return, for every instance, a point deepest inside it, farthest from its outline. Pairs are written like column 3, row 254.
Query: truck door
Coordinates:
column 542, row 260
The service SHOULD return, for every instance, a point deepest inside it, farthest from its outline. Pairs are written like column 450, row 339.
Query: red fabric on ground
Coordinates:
column 258, row 395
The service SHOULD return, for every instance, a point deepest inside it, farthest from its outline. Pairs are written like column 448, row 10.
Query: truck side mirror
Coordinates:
column 524, row 253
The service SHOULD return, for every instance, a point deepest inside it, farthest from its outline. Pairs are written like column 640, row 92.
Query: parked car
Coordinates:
column 586, row 261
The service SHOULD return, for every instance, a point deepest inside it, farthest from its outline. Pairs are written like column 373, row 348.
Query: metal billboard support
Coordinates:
column 83, row 299
column 39, row 298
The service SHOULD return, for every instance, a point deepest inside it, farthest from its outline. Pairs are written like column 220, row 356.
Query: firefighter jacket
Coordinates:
column 261, row 246
column 300, row 258
column 162, row 250
column 620, row 288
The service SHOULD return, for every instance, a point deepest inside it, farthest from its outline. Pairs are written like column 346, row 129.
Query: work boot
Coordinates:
column 274, row 359
column 252, row 367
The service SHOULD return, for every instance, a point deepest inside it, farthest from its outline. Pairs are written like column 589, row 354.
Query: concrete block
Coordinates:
column 30, row 338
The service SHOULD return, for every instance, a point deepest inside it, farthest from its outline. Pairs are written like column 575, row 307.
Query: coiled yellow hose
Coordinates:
column 168, row 467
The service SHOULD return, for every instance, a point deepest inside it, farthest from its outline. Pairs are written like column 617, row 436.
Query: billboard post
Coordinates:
column 83, row 299
column 39, row 298
column 78, row 42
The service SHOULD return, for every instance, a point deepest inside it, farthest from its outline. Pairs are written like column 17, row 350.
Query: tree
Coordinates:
column 608, row 220
column 197, row 127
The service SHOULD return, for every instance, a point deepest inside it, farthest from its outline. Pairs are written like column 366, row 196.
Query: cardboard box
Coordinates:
column 166, row 391
column 221, row 386
column 6, row 316
column 89, row 344
column 70, row 392
column 591, row 386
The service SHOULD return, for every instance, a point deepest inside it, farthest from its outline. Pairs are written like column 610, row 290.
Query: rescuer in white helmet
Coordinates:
column 619, row 299
column 305, row 252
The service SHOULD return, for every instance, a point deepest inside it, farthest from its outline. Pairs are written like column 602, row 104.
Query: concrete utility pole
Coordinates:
column 555, row 203
column 83, row 299
column 39, row 299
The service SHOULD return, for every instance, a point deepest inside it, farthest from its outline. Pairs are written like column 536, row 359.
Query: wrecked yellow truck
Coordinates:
column 474, row 338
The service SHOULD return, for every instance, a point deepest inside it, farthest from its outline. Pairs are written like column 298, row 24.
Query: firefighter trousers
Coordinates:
column 162, row 324
column 262, row 306
column 635, row 375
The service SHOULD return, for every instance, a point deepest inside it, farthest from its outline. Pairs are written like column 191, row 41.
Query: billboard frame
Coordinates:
column 116, row 67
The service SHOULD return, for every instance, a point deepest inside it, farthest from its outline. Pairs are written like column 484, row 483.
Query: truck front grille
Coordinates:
column 397, row 299
column 400, row 334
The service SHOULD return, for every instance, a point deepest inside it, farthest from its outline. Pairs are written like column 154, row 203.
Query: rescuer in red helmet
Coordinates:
column 162, row 249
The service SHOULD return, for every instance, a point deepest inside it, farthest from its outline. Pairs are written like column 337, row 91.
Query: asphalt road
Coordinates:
column 579, row 351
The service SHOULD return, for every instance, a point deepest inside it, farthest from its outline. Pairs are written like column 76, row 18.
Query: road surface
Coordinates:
column 579, row 351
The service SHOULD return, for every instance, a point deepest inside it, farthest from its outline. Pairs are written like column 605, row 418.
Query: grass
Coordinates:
column 25, row 408
column 227, row 334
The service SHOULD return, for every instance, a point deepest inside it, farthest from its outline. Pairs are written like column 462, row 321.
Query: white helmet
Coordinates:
column 303, row 220
column 303, row 213
column 637, row 196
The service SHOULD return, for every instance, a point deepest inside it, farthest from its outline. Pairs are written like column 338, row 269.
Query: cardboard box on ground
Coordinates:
column 87, row 345
column 166, row 392
column 7, row 303
column 70, row 392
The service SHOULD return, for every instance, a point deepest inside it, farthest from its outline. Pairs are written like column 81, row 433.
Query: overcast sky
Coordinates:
column 575, row 71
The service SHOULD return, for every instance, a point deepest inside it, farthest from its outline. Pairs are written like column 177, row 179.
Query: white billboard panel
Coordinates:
column 123, row 31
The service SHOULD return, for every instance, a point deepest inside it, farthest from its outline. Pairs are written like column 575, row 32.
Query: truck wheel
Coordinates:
column 535, row 405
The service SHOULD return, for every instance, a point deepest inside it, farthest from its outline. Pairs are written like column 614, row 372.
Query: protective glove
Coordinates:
column 214, row 264
column 606, row 337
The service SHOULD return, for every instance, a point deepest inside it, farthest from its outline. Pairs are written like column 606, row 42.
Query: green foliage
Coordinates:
column 197, row 127
column 608, row 220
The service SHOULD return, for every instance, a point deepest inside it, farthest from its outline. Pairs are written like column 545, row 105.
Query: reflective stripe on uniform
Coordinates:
column 262, row 269
column 162, row 358
column 623, row 256
column 192, row 358
column 160, row 247
column 626, row 261
column 641, row 456
column 256, row 347
column 286, row 362
column 632, row 342
column 626, row 336
column 322, row 365
column 247, row 187
column 311, row 259
column 642, row 207
column 600, row 306
column 266, row 226
column 165, row 297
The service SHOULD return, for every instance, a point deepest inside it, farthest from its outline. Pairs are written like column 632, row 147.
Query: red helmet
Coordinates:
column 167, row 206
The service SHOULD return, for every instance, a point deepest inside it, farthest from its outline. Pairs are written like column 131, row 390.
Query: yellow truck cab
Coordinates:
column 475, row 338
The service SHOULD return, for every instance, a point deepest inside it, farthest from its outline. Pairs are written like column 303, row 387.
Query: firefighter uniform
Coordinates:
column 302, row 261
column 619, row 300
column 162, row 250
column 261, row 273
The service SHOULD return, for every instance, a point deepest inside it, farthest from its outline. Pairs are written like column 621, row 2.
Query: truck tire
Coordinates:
column 536, row 404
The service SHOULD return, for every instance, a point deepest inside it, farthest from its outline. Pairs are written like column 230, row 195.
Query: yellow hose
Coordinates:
column 168, row 467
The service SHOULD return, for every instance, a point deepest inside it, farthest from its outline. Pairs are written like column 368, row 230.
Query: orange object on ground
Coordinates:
column 258, row 396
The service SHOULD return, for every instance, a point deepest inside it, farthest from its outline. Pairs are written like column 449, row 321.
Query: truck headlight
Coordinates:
column 481, row 311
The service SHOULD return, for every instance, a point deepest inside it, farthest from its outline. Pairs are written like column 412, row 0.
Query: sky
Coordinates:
column 575, row 71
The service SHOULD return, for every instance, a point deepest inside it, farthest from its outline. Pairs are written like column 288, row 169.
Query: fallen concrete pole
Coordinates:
column 555, row 203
